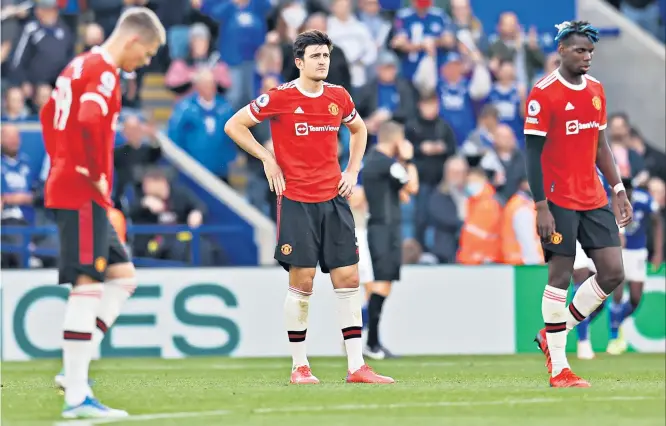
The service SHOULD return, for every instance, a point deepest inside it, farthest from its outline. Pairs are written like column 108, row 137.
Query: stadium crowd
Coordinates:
column 457, row 88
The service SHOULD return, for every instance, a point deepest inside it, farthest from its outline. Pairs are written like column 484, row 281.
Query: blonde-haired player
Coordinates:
column 78, row 125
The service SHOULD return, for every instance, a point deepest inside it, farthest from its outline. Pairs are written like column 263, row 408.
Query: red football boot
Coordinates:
column 567, row 379
column 366, row 375
column 303, row 376
column 540, row 340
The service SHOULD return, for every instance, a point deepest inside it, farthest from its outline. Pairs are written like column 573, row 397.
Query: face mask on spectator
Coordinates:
column 474, row 189
column 294, row 16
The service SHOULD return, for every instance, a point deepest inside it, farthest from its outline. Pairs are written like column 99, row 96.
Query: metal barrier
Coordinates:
column 26, row 249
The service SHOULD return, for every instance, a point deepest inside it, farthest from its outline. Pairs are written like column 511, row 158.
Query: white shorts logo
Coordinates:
column 533, row 108
column 301, row 129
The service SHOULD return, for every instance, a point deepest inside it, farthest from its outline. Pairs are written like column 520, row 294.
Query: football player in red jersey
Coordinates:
column 565, row 133
column 315, row 224
column 79, row 125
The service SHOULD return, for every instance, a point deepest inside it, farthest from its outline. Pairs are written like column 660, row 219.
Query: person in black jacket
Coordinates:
column 434, row 141
column 338, row 70
column 388, row 97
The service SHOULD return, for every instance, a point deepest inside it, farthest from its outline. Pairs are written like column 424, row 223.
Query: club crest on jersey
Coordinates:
column 333, row 109
column 100, row 264
column 286, row 249
column 596, row 101
column 533, row 108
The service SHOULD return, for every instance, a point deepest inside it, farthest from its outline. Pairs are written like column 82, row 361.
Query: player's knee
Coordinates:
column 301, row 279
column 611, row 277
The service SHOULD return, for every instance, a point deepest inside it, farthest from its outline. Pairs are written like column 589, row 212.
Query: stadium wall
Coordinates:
column 238, row 312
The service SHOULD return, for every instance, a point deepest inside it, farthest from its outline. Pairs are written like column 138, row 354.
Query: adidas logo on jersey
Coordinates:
column 299, row 110
column 569, row 107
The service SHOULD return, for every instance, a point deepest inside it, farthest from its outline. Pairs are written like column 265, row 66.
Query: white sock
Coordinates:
column 296, row 308
column 554, row 311
column 77, row 345
column 351, row 322
column 116, row 293
column 587, row 299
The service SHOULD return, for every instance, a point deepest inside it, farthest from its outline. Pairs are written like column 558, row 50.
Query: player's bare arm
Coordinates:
column 545, row 221
column 406, row 155
column 606, row 163
column 238, row 129
column 357, row 144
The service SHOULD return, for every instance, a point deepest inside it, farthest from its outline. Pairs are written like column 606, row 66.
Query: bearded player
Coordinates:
column 315, row 224
column 565, row 137
column 79, row 123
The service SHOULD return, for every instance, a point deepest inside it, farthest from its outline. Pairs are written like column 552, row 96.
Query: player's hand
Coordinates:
column 274, row 176
column 102, row 185
column 545, row 221
column 657, row 259
column 624, row 212
column 347, row 183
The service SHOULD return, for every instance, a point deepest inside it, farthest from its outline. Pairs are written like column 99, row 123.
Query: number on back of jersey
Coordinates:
column 62, row 96
column 107, row 83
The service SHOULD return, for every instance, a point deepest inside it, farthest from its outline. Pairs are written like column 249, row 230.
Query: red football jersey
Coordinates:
column 305, row 136
column 570, row 117
column 89, row 79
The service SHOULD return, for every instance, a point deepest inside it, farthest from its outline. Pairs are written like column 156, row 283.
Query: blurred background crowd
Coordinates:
column 456, row 85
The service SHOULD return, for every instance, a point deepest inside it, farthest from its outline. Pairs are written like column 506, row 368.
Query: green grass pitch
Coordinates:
column 454, row 390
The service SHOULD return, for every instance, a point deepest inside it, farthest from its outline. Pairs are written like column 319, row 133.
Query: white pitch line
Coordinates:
column 143, row 418
column 345, row 407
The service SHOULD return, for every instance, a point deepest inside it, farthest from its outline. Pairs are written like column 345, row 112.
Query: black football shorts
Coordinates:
column 315, row 233
column 385, row 243
column 88, row 243
column 594, row 229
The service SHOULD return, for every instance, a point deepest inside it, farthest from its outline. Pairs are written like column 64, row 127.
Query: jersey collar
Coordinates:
column 104, row 54
column 310, row 94
column 579, row 87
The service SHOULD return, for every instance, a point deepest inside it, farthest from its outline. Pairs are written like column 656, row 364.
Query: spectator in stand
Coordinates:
column 420, row 31
column 9, row 31
column 197, row 126
column 521, row 245
column 447, row 209
column 434, row 141
column 510, row 45
column 42, row 95
column 244, row 22
column 268, row 73
column 480, row 235
column 509, row 98
column 181, row 72
column 352, row 37
column 630, row 162
column 657, row 190
column 458, row 93
column 465, row 21
column 44, row 49
column 16, row 191
column 338, row 71
column 552, row 63
column 644, row 13
column 15, row 109
column 655, row 160
column 481, row 139
column 140, row 151
column 370, row 14
column 70, row 10
column 412, row 254
column 166, row 204
column 389, row 97
column 505, row 162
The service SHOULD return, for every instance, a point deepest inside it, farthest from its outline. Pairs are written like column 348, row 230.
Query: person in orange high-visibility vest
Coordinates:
column 479, row 238
column 117, row 219
column 521, row 244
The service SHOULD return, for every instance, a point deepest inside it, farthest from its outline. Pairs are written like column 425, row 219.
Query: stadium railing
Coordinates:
column 264, row 228
column 25, row 249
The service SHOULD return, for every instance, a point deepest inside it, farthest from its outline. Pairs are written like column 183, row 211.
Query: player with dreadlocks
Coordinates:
column 565, row 137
